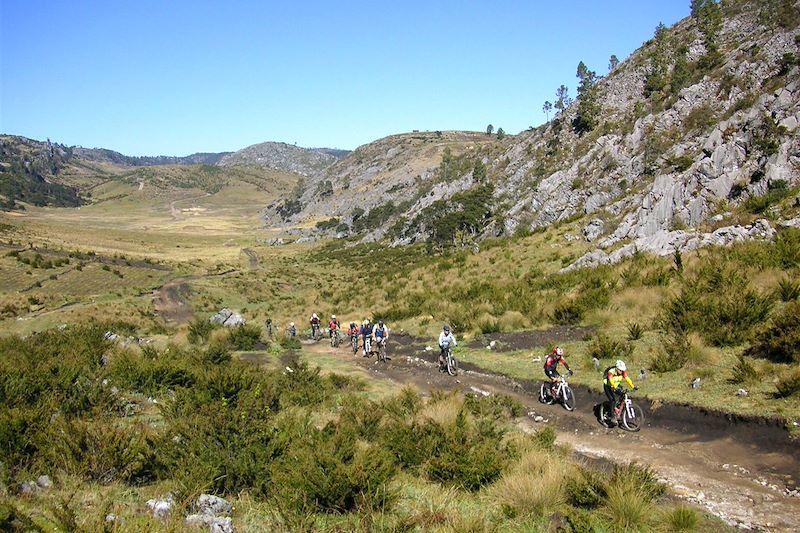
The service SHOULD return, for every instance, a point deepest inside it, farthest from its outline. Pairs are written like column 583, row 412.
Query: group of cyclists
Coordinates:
column 372, row 336
column 375, row 336
column 613, row 377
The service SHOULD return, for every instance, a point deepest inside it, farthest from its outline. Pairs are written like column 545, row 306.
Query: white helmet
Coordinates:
column 314, row 315
column 333, row 317
column 620, row 364
column 291, row 324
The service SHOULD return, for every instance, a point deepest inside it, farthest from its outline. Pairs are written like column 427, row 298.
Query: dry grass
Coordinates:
column 533, row 486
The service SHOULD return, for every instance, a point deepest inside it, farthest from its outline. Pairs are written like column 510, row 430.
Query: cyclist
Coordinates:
column 353, row 331
column 333, row 325
column 314, row 325
column 611, row 385
column 380, row 333
column 446, row 339
column 551, row 367
column 366, row 333
column 292, row 330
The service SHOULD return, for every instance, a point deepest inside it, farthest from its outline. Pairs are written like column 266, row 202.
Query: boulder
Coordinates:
column 227, row 318
column 161, row 508
column 208, row 504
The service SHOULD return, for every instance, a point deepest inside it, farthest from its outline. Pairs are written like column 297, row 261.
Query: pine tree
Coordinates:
column 547, row 107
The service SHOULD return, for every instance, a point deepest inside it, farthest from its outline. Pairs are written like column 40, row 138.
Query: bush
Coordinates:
column 200, row 330
column 789, row 385
column 466, row 457
column 674, row 353
column 245, row 336
column 787, row 248
column 744, row 371
column 634, row 331
column 780, row 342
column 788, row 290
column 568, row 313
column 604, row 347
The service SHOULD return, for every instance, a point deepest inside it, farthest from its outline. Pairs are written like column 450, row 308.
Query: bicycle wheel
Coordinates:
column 452, row 365
column 354, row 342
column 634, row 421
column 381, row 352
column 568, row 400
column 544, row 394
column 604, row 416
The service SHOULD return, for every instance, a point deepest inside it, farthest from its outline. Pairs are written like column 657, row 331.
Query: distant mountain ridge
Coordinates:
column 283, row 156
column 38, row 172
column 116, row 158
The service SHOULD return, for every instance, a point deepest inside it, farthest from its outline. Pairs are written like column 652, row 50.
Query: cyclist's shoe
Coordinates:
column 614, row 419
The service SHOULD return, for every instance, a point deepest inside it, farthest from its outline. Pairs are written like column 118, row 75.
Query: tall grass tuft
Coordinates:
column 779, row 341
column 604, row 347
column 674, row 353
column 788, row 290
column 682, row 518
column 635, row 331
column 789, row 385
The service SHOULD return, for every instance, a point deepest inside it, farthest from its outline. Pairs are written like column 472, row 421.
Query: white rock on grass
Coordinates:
column 161, row 508
column 209, row 504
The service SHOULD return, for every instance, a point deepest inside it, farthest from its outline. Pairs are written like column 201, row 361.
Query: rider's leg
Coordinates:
column 612, row 402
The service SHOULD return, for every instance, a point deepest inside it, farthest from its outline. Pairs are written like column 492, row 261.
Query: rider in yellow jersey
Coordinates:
column 614, row 375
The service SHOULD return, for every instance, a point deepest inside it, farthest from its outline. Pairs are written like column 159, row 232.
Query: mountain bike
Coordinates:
column 381, row 342
column 315, row 331
column 451, row 365
column 561, row 393
column 631, row 417
column 367, row 346
column 354, row 343
column 335, row 338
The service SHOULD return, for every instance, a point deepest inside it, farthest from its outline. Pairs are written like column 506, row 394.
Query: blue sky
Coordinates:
column 176, row 77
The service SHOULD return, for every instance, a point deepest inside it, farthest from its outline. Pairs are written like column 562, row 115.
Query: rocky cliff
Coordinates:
column 700, row 121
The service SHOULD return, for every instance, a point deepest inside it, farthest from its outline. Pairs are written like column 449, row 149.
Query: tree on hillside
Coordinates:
column 708, row 15
column 501, row 134
column 587, row 117
column 547, row 107
column 489, row 129
column 656, row 80
column 562, row 98
column 612, row 63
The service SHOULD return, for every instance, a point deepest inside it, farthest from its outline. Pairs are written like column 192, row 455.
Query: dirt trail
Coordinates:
column 740, row 471
column 170, row 302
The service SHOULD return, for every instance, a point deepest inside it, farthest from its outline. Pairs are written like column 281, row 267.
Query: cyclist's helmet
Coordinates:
column 558, row 351
column 352, row 324
column 291, row 324
column 333, row 317
column 621, row 366
column 446, row 328
column 314, row 315
column 380, row 322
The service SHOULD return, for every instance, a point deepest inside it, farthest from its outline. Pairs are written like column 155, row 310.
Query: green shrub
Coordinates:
column 495, row 406
column 780, row 341
column 200, row 330
column 674, row 353
column 604, row 347
column 634, row 331
column 788, row 290
column 245, row 336
column 569, row 312
column 787, row 248
column 744, row 371
column 586, row 490
column 789, row 385
column 466, row 457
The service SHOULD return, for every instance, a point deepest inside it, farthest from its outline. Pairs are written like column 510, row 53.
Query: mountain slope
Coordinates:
column 282, row 156
column 696, row 125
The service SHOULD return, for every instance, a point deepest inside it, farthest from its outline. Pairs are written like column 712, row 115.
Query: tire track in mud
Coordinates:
column 742, row 470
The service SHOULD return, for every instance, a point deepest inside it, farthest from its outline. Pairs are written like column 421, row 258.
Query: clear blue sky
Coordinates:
column 176, row 77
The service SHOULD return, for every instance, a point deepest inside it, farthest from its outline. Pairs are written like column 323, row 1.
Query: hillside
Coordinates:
column 286, row 157
column 695, row 131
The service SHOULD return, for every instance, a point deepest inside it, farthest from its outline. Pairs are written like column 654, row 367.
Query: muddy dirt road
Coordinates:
column 741, row 471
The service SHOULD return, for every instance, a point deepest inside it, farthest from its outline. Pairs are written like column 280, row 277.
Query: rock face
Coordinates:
column 655, row 164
